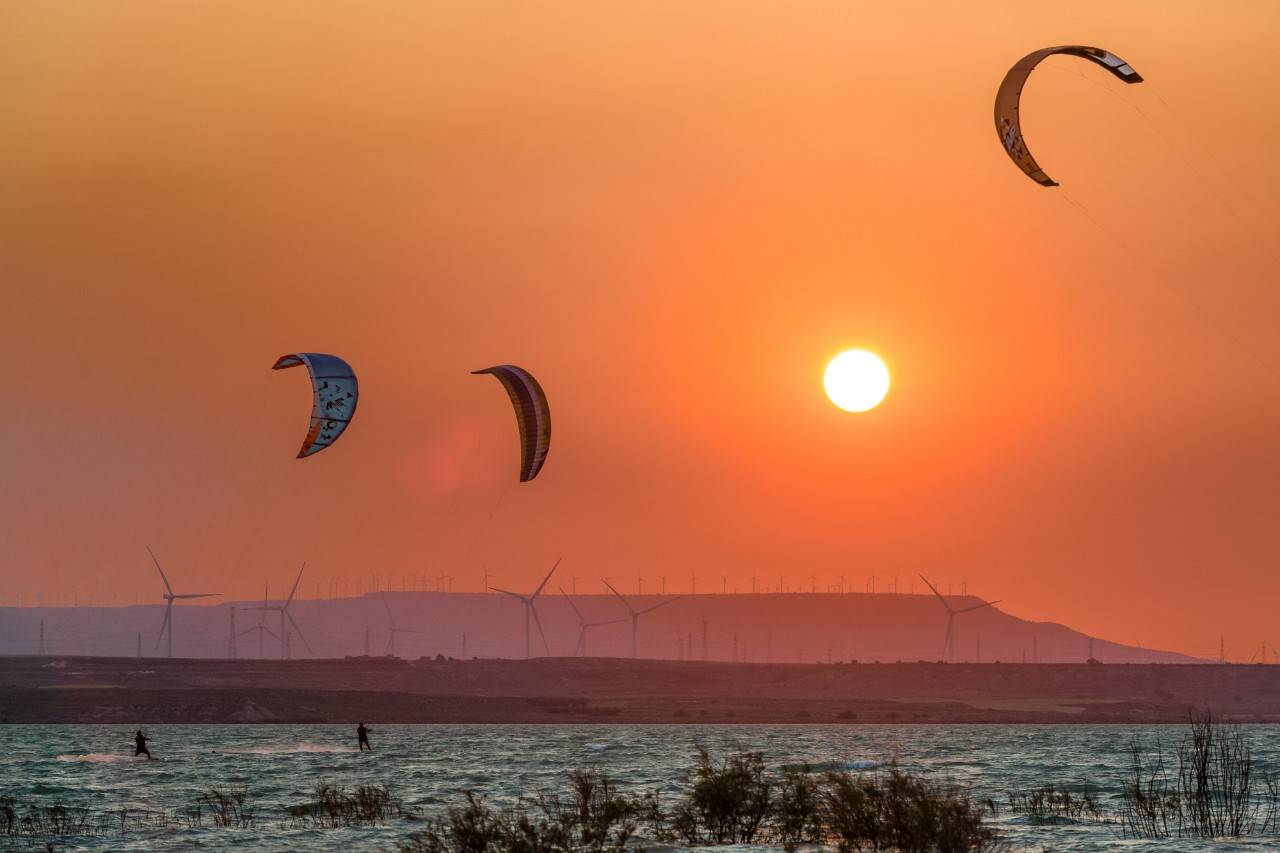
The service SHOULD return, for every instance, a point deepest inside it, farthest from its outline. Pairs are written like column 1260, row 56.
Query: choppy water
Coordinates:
column 426, row 767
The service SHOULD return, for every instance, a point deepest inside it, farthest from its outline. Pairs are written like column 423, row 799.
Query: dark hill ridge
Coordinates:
column 592, row 690
column 769, row 627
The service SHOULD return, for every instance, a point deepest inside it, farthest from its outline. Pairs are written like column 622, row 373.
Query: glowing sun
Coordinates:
column 856, row 380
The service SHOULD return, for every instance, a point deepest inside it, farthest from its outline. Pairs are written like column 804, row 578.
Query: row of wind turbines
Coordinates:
column 287, row 621
column 261, row 629
column 531, row 612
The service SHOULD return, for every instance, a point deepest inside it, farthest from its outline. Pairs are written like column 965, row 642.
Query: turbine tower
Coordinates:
column 636, row 614
column 391, row 638
column 949, row 639
column 166, row 627
column 287, row 617
column 530, row 611
column 580, row 650
column 261, row 628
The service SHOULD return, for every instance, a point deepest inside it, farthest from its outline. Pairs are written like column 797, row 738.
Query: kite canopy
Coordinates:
column 1008, row 122
column 533, row 416
column 336, row 394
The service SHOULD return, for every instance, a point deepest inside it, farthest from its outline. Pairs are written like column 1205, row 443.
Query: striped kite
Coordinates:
column 533, row 416
column 336, row 394
column 1008, row 122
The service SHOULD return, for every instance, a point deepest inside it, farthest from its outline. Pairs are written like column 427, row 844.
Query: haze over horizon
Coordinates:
column 675, row 216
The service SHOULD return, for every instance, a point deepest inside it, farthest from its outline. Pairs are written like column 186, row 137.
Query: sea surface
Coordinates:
column 427, row 768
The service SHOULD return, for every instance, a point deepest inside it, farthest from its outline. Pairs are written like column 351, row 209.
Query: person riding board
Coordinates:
column 363, row 734
column 140, row 741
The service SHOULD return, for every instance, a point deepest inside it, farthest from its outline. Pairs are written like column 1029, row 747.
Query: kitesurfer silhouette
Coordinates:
column 140, row 741
column 363, row 734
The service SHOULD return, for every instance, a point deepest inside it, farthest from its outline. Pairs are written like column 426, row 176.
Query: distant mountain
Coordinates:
column 773, row 627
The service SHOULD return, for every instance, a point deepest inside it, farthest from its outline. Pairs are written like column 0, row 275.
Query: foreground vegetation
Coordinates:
column 1209, row 788
column 733, row 800
column 224, row 808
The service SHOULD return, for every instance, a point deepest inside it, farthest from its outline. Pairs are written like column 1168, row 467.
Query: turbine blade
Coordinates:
column 538, row 591
column 390, row 618
column 160, row 570
column 289, row 616
column 199, row 595
column 659, row 604
column 571, row 604
column 295, row 585
column 625, row 603
column 979, row 606
column 509, row 592
column 935, row 592
column 164, row 624
column 541, row 633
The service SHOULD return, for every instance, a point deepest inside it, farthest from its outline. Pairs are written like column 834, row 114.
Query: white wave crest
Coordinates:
column 100, row 758
column 285, row 749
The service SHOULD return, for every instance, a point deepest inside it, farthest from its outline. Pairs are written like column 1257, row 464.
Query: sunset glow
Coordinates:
column 673, row 215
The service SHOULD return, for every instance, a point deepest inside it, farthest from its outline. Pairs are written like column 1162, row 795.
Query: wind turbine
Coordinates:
column 580, row 650
column 636, row 614
column 283, row 610
column 529, row 610
column 261, row 628
column 170, row 597
column 949, row 639
column 391, row 640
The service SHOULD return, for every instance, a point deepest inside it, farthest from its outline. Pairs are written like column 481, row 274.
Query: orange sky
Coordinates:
column 673, row 214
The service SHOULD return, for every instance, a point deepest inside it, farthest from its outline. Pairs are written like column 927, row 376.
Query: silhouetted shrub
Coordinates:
column 1271, row 817
column 333, row 806
column 1149, row 807
column 8, row 816
column 796, row 816
column 727, row 801
column 229, row 807
column 192, row 814
column 35, row 821
column 1215, row 776
column 1212, row 795
column 473, row 828
column 595, row 817
column 1050, row 803
column 897, row 810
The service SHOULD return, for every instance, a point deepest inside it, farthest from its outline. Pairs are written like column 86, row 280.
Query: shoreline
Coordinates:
column 35, row 690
